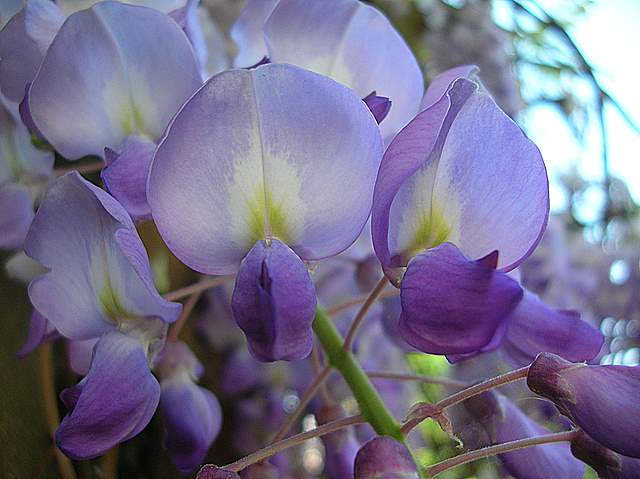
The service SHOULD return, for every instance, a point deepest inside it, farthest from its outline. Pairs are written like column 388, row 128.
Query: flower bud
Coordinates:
column 606, row 463
column 384, row 458
column 601, row 400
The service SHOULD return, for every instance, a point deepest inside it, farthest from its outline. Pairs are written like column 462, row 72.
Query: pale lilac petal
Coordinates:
column 275, row 151
column 353, row 43
column 23, row 43
column 125, row 175
column 99, row 271
column 462, row 172
column 111, row 71
column 441, row 83
column 16, row 214
column 274, row 303
column 248, row 33
column 452, row 305
column 113, row 403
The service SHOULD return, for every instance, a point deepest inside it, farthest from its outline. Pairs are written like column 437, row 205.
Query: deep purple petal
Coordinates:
column 125, row 175
column 40, row 330
column 99, row 271
column 274, row 302
column 534, row 327
column 16, row 214
column 23, row 43
column 452, row 305
column 602, row 400
column 193, row 418
column 272, row 152
column 354, row 44
column 608, row 464
column 379, row 106
column 112, row 70
column 114, row 402
column 384, row 457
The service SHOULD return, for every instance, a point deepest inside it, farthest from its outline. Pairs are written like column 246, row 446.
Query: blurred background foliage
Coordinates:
column 588, row 260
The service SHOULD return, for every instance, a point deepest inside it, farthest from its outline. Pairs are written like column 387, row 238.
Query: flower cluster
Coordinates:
column 317, row 175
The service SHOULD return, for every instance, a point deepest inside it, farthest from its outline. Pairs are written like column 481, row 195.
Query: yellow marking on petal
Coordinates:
column 432, row 230
column 110, row 302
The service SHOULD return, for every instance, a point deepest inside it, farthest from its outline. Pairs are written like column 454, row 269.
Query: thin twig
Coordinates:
column 276, row 447
column 339, row 308
column 85, row 169
column 109, row 464
column 318, row 367
column 490, row 451
column 202, row 285
column 479, row 388
column 45, row 356
column 362, row 313
column 304, row 401
column 416, row 377
column 176, row 327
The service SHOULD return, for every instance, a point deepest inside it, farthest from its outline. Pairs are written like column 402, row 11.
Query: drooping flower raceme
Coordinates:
column 346, row 40
column 99, row 285
column 277, row 160
column 111, row 80
column 461, row 196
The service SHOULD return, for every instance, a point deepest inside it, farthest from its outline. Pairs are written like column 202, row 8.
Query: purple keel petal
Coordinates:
column 352, row 43
column 99, row 271
column 452, row 305
column 379, row 106
column 272, row 152
column 125, row 175
column 101, row 77
column 16, row 214
column 534, row 327
column 601, row 400
column 113, row 403
column 274, row 303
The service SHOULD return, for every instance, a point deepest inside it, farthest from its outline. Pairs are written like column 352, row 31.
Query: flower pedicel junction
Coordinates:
column 338, row 216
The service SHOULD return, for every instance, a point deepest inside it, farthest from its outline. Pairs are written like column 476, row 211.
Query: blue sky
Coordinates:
column 609, row 36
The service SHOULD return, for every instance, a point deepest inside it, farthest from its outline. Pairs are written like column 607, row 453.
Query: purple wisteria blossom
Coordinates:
column 97, row 85
column 275, row 157
column 601, row 400
column 99, row 285
column 464, row 174
column 26, row 37
column 384, row 457
column 192, row 414
column 346, row 40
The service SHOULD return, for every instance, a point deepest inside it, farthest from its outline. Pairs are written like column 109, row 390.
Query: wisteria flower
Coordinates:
column 99, row 285
column 261, row 170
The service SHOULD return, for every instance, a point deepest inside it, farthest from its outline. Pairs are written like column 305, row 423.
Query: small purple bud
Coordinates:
column 384, row 458
column 213, row 472
column 606, row 463
column 601, row 400
column 274, row 302
column 379, row 105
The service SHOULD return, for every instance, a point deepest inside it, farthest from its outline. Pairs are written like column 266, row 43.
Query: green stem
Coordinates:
column 371, row 405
